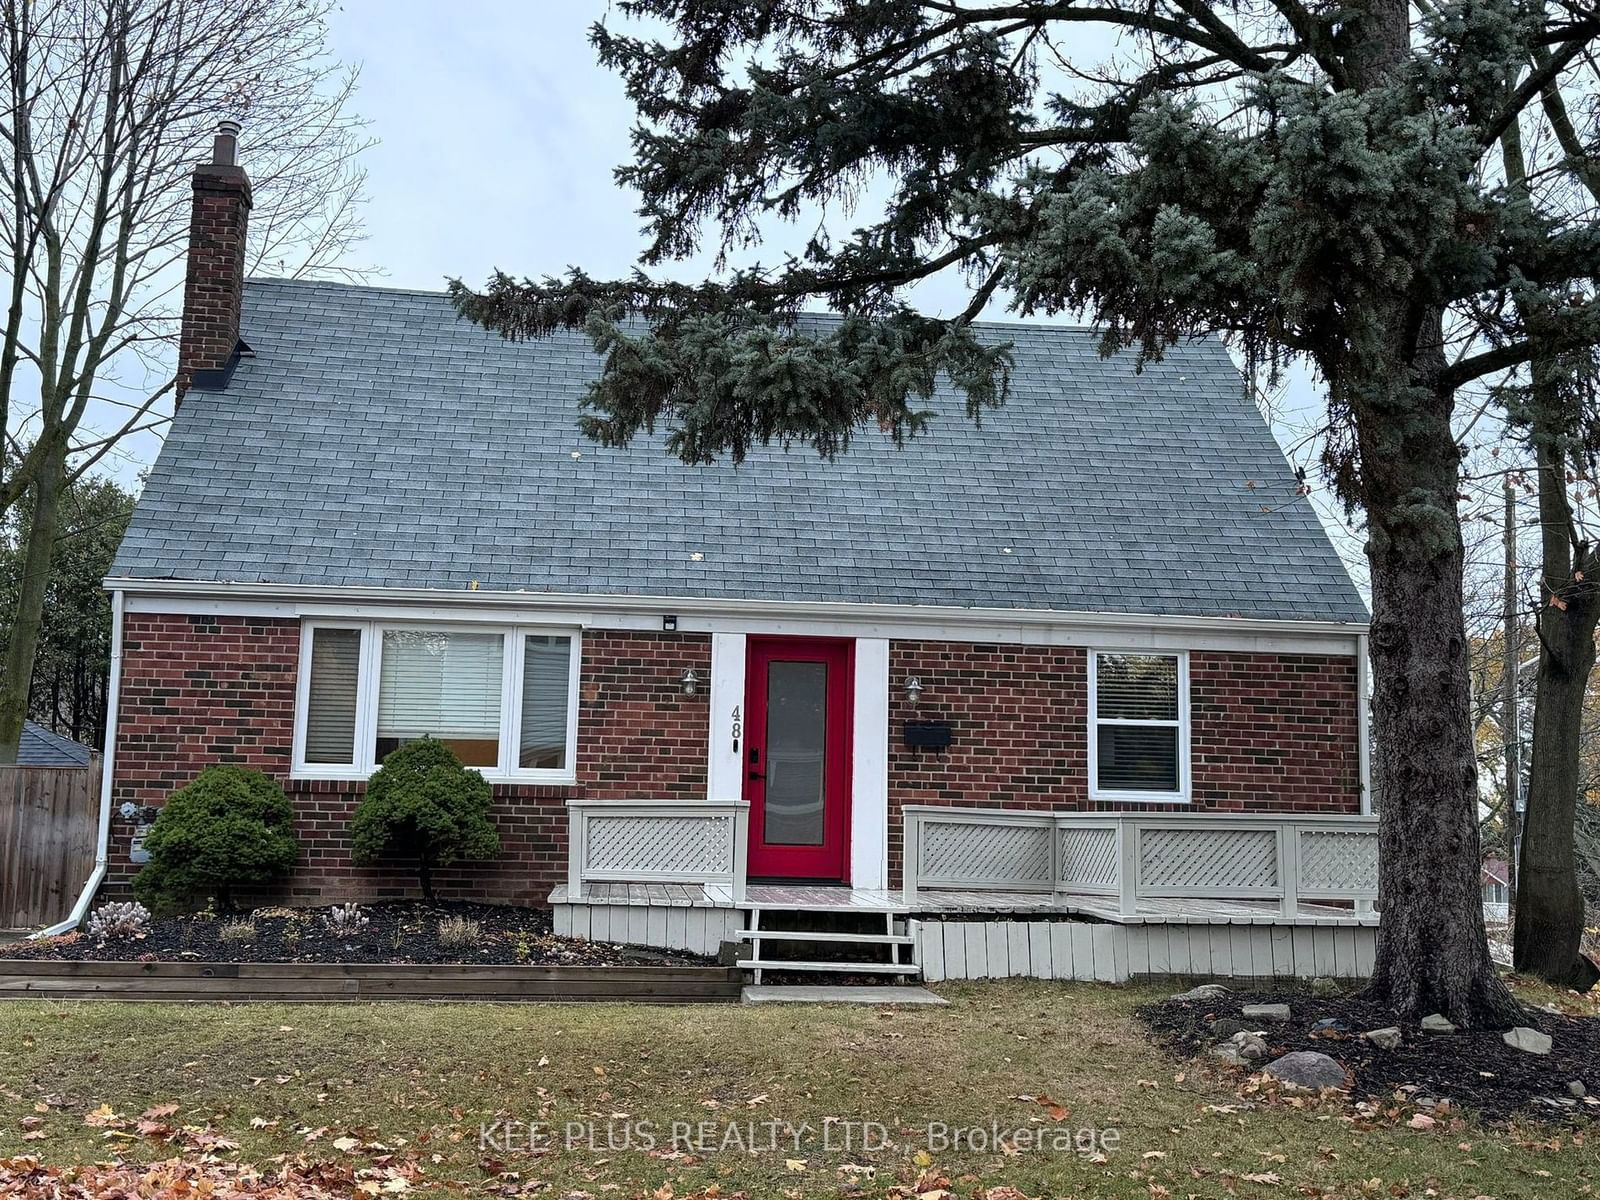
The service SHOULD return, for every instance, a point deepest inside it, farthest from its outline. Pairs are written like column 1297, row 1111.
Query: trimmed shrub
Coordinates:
column 422, row 804
column 228, row 829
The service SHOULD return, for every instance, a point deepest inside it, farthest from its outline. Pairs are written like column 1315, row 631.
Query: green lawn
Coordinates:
column 359, row 1083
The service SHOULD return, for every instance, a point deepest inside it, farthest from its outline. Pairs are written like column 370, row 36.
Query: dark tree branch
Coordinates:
column 1541, row 77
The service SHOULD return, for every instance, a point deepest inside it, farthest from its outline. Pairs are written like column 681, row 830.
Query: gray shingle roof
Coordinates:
column 40, row 747
column 376, row 439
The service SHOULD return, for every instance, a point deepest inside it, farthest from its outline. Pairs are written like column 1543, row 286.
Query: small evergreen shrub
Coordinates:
column 228, row 829
column 422, row 804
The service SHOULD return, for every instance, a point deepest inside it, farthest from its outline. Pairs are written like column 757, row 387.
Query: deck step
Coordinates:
column 811, row 935
column 850, row 968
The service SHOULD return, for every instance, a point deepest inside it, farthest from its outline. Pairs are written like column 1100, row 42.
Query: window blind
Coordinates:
column 1136, row 687
column 1138, row 758
column 546, row 676
column 440, row 684
column 331, row 696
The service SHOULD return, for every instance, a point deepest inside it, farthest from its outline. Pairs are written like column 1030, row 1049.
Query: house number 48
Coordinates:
column 738, row 727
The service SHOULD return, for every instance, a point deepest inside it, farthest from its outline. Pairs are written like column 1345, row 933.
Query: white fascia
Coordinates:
column 698, row 614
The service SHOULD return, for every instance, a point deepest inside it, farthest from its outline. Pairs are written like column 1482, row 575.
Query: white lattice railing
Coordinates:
column 1132, row 856
column 657, row 841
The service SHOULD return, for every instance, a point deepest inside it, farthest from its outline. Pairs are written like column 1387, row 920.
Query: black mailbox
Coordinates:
column 927, row 735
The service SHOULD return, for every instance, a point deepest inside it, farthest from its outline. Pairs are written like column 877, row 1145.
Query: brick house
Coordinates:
column 1094, row 660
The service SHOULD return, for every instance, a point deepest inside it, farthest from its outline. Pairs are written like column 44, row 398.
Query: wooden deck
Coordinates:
column 1152, row 911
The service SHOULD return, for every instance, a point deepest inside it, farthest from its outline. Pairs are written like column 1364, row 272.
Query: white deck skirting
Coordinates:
column 956, row 939
column 1079, row 950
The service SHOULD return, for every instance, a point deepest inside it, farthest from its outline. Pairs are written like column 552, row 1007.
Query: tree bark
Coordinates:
column 1433, row 953
column 1510, row 694
column 1548, row 934
column 16, row 675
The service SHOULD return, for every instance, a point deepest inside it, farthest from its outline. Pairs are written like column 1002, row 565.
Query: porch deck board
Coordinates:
column 1151, row 910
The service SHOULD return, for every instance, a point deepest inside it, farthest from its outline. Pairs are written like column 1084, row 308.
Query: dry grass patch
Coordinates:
column 419, row 1081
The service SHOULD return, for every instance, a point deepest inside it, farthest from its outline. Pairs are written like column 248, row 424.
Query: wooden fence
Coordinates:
column 49, row 820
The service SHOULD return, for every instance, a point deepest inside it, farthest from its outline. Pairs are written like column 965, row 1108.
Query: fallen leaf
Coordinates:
column 101, row 1117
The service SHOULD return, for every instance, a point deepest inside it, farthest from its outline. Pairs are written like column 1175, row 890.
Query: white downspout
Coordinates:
column 108, row 764
column 1364, row 724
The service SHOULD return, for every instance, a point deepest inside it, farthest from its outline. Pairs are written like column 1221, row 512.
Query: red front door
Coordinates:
column 797, row 758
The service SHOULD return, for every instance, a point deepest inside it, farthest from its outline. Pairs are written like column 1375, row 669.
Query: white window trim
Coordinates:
column 370, row 670
column 1112, row 795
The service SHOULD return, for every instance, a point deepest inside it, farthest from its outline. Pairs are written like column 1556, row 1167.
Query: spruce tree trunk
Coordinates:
column 1433, row 953
column 16, row 673
column 1548, row 933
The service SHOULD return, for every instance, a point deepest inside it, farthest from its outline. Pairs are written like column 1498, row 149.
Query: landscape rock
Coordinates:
column 1251, row 1046
column 1229, row 1054
column 1388, row 1038
column 1226, row 1027
column 1437, row 1023
column 1243, row 1049
column 1206, row 991
column 1307, row 1069
column 1529, row 1040
column 1576, row 1088
column 1266, row 1012
column 1330, row 1025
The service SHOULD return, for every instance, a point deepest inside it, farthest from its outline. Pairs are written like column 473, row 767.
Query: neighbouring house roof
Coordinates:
column 1495, row 871
column 40, row 747
column 375, row 439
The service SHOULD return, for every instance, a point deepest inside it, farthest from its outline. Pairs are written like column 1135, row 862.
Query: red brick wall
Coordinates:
column 204, row 690
column 1274, row 731
column 639, row 736
column 1268, row 732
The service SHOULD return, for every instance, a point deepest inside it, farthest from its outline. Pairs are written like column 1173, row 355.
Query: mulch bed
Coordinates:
column 397, row 932
column 1470, row 1069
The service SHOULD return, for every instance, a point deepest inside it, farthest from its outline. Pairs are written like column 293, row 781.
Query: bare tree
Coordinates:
column 108, row 104
column 1552, row 406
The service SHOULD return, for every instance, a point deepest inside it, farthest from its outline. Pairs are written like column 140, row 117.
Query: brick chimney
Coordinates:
column 209, row 345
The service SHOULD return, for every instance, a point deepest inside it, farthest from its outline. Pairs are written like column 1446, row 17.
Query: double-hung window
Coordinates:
column 1138, row 726
column 503, row 699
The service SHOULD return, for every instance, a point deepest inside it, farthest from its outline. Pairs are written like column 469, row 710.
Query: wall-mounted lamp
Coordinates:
column 913, row 690
column 691, row 682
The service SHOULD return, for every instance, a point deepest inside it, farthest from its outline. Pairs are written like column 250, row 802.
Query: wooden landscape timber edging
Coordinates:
column 38, row 979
